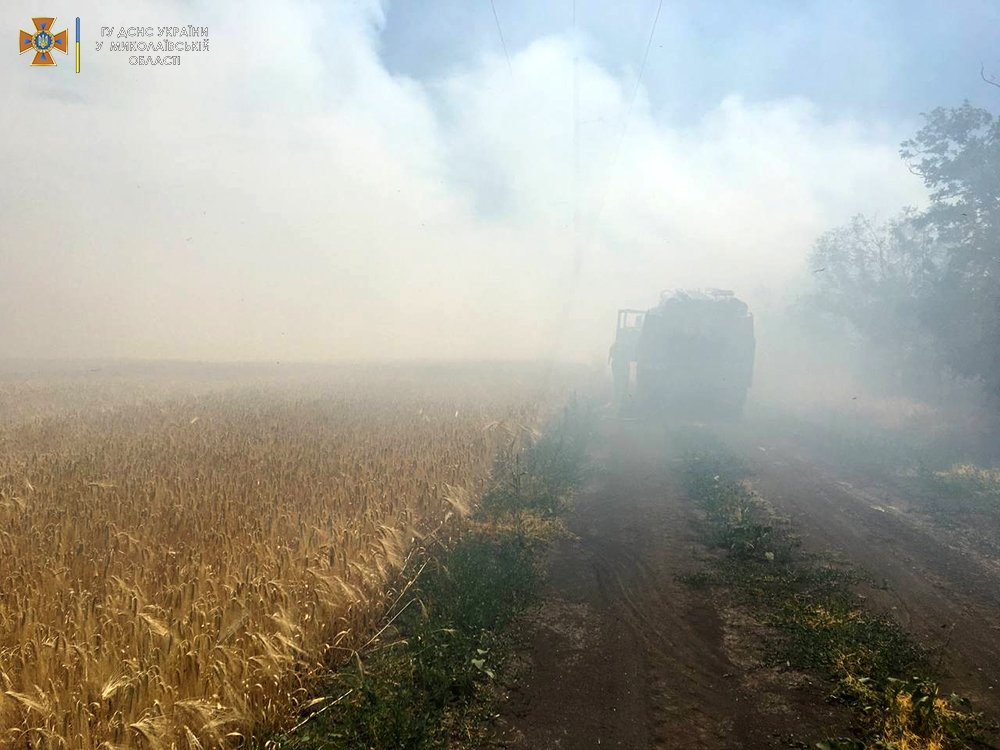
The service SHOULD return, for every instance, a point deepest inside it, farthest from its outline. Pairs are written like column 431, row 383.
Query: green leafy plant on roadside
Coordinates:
column 440, row 650
column 733, row 513
column 908, row 714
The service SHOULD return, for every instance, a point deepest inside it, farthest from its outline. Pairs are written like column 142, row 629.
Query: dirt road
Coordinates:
column 623, row 654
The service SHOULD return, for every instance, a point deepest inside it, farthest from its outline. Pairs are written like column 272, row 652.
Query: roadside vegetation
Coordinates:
column 818, row 622
column 967, row 487
column 429, row 677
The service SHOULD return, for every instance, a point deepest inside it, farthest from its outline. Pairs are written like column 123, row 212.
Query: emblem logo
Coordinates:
column 43, row 41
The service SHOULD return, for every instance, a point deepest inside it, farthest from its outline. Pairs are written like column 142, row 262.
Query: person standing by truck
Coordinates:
column 622, row 353
column 619, row 372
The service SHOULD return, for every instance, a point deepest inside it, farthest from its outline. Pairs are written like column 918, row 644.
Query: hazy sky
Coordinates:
column 355, row 180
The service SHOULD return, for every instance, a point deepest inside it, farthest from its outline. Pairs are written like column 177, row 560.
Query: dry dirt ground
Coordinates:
column 623, row 654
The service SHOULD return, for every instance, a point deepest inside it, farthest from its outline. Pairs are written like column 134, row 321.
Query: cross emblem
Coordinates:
column 43, row 41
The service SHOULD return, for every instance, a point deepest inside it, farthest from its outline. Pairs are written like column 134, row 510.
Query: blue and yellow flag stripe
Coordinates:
column 77, row 44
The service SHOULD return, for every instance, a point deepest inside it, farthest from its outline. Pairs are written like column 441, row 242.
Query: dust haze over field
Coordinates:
column 331, row 182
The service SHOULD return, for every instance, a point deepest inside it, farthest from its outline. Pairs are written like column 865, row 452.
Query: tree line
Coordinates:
column 922, row 288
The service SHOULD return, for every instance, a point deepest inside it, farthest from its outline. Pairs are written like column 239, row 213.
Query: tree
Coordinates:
column 925, row 287
column 957, row 152
column 877, row 276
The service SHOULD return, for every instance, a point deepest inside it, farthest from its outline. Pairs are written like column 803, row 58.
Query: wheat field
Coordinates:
column 179, row 562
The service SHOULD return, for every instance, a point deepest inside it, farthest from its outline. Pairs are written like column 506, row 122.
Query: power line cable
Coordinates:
column 628, row 113
column 577, row 244
column 642, row 67
column 503, row 42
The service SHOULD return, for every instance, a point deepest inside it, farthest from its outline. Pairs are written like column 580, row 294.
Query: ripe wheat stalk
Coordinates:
column 175, row 569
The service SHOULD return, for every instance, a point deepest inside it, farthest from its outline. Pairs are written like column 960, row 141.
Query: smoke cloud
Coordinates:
column 286, row 197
